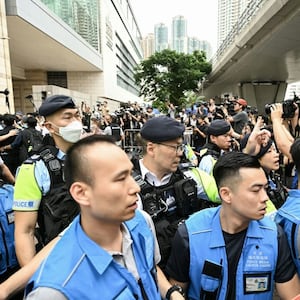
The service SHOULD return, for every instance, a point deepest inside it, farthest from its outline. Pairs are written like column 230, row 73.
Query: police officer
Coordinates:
column 219, row 141
column 114, row 129
column 9, row 156
column 233, row 251
column 7, row 176
column 288, row 215
column 40, row 180
column 167, row 194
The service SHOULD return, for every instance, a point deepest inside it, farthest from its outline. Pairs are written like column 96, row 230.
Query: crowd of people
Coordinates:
column 195, row 216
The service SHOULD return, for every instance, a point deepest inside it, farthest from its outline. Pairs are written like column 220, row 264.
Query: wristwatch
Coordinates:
column 172, row 289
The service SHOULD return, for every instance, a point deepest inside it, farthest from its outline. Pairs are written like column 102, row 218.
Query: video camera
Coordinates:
column 252, row 110
column 119, row 113
column 289, row 107
column 219, row 113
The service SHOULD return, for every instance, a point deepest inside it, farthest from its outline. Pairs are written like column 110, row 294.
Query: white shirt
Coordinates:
column 151, row 177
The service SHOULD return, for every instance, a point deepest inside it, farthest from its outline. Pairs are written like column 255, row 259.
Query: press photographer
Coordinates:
column 289, row 107
column 240, row 117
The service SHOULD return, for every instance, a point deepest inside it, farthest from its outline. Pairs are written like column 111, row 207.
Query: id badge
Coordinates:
column 257, row 283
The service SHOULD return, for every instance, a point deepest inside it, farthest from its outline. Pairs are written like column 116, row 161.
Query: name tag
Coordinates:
column 257, row 283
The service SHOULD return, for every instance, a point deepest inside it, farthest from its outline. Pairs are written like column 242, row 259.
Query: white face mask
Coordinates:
column 72, row 132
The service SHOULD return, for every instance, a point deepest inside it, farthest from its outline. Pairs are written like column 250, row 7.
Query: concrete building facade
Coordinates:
column 85, row 48
column 5, row 68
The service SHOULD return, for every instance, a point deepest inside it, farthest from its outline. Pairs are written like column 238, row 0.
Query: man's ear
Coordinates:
column 225, row 194
column 213, row 138
column 80, row 193
column 49, row 126
column 150, row 148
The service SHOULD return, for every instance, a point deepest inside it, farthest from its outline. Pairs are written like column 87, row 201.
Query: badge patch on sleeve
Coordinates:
column 257, row 283
column 10, row 217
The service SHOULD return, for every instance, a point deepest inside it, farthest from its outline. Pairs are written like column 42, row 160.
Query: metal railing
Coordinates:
column 244, row 19
column 131, row 143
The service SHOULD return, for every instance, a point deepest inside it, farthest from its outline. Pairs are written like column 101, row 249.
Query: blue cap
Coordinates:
column 54, row 103
column 162, row 129
column 218, row 127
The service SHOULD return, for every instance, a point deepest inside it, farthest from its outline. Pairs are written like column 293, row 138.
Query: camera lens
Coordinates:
column 268, row 108
column 289, row 109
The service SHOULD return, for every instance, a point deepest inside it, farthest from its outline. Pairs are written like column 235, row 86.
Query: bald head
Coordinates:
column 79, row 158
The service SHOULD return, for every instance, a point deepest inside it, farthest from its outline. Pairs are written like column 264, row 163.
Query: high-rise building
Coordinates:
column 207, row 48
column 195, row 44
column 148, row 45
column 229, row 12
column 179, row 34
column 160, row 37
column 81, row 16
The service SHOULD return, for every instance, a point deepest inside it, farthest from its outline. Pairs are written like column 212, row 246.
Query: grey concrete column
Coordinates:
column 260, row 93
column 5, row 69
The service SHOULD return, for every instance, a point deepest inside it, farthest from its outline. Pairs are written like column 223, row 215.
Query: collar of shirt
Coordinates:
column 271, row 183
column 151, row 177
column 126, row 258
column 61, row 155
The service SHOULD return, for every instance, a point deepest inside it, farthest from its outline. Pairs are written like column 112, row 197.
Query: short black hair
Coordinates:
column 295, row 152
column 31, row 122
column 76, row 168
column 9, row 119
column 114, row 119
column 228, row 166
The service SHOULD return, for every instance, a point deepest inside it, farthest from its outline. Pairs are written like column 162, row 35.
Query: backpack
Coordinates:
column 8, row 257
column 35, row 142
column 32, row 141
column 288, row 217
column 57, row 208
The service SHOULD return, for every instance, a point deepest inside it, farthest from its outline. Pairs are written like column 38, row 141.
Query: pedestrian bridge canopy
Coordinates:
column 260, row 55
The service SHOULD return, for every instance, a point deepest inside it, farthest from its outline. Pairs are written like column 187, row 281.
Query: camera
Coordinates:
column 229, row 104
column 252, row 110
column 288, row 107
column 219, row 113
column 119, row 113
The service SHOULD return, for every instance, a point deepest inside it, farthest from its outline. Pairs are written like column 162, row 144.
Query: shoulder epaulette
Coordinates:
column 32, row 159
column 53, row 164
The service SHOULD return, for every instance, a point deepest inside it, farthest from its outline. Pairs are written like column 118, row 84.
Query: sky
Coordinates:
column 202, row 16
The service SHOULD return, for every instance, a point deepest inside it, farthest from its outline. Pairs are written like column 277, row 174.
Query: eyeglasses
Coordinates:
column 177, row 148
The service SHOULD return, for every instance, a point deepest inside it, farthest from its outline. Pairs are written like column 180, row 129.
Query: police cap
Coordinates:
column 218, row 127
column 162, row 129
column 54, row 103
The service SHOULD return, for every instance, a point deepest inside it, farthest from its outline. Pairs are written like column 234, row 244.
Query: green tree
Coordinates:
column 166, row 75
